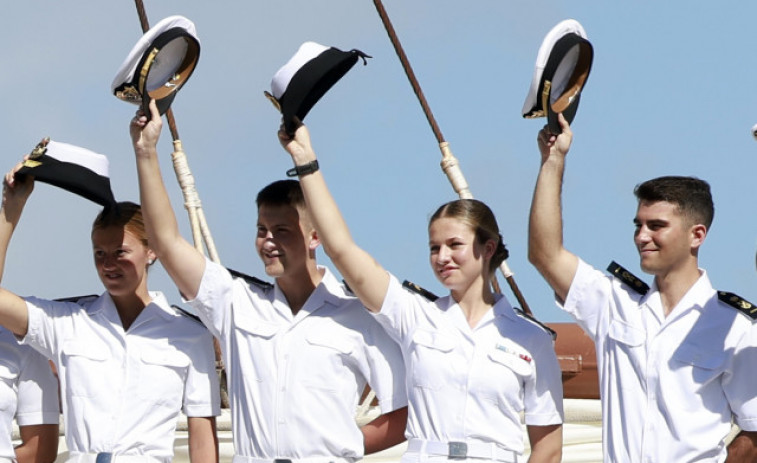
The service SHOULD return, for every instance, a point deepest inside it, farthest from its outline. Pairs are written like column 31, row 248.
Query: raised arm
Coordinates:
column 14, row 314
column 365, row 277
column 545, row 238
column 182, row 261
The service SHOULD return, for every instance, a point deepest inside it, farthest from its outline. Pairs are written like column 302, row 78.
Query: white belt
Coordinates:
column 243, row 459
column 110, row 458
column 462, row 450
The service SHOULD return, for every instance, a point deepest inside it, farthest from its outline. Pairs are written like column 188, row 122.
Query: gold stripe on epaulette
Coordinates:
column 417, row 289
column 628, row 278
column 738, row 303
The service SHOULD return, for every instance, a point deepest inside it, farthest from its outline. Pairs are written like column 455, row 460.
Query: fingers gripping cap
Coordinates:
column 562, row 67
column 306, row 77
column 159, row 64
column 71, row 168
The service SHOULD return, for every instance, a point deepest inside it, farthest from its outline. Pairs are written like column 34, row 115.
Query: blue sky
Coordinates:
column 671, row 92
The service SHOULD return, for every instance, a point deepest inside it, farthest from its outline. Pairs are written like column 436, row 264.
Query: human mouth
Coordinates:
column 445, row 271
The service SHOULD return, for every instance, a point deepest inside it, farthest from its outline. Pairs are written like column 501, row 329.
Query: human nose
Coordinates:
column 641, row 235
column 107, row 261
column 443, row 255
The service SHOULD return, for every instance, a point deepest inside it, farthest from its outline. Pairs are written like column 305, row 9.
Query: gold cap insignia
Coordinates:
column 39, row 150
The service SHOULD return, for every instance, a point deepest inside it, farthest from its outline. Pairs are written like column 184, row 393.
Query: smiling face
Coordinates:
column 121, row 260
column 456, row 257
column 665, row 238
column 283, row 240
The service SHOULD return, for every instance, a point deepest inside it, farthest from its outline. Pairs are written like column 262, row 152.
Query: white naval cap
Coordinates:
column 159, row 64
column 562, row 67
column 306, row 77
column 72, row 168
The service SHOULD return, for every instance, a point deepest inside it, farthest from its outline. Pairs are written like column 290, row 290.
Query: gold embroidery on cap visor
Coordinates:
column 178, row 76
column 273, row 100
column 40, row 149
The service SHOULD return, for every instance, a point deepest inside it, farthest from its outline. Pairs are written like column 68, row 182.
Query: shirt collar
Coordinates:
column 329, row 290
column 158, row 305
column 696, row 297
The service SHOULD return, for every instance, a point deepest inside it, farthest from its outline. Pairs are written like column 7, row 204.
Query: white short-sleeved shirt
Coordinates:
column 472, row 385
column 295, row 380
column 122, row 392
column 28, row 390
column 669, row 385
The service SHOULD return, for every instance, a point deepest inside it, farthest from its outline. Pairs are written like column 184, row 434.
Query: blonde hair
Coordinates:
column 124, row 214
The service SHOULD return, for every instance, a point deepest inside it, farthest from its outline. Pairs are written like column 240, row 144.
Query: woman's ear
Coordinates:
column 490, row 248
column 151, row 257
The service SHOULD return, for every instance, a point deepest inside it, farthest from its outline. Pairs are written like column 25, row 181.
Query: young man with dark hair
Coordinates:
column 298, row 353
column 675, row 361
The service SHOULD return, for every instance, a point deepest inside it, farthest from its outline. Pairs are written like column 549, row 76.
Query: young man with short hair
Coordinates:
column 675, row 362
column 298, row 354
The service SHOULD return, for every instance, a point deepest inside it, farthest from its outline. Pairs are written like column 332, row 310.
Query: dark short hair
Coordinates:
column 476, row 215
column 690, row 194
column 282, row 193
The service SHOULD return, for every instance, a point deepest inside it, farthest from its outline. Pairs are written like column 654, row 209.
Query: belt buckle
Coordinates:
column 282, row 460
column 104, row 457
column 457, row 450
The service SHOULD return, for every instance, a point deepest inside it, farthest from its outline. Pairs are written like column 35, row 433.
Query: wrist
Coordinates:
column 301, row 169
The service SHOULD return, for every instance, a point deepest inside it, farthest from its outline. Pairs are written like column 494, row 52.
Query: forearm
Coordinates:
column 203, row 440
column 546, row 443
column 743, row 448
column 160, row 221
column 365, row 277
column 385, row 431
column 9, row 218
column 39, row 444
column 545, row 236
column 182, row 261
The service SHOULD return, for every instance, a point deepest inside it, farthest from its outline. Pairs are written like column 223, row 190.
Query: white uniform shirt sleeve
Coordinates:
column 201, row 388
column 386, row 369
column 214, row 298
column 542, row 391
column 41, row 331
column 588, row 299
column 37, row 391
column 398, row 312
column 738, row 382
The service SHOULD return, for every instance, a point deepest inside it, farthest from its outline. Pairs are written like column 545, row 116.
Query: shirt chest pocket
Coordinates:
column 518, row 363
column 327, row 361
column 625, row 336
column 87, row 372
column 249, row 326
column 431, row 356
column 8, row 390
column 704, row 365
column 162, row 373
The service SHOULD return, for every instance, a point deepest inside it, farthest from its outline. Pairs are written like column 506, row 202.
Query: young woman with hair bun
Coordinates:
column 473, row 363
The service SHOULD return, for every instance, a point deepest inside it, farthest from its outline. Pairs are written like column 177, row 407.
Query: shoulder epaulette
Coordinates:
column 264, row 285
column 531, row 318
column 628, row 278
column 738, row 303
column 417, row 289
column 184, row 313
column 77, row 299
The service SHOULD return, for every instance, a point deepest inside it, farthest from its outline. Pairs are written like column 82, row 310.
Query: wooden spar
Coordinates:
column 449, row 164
